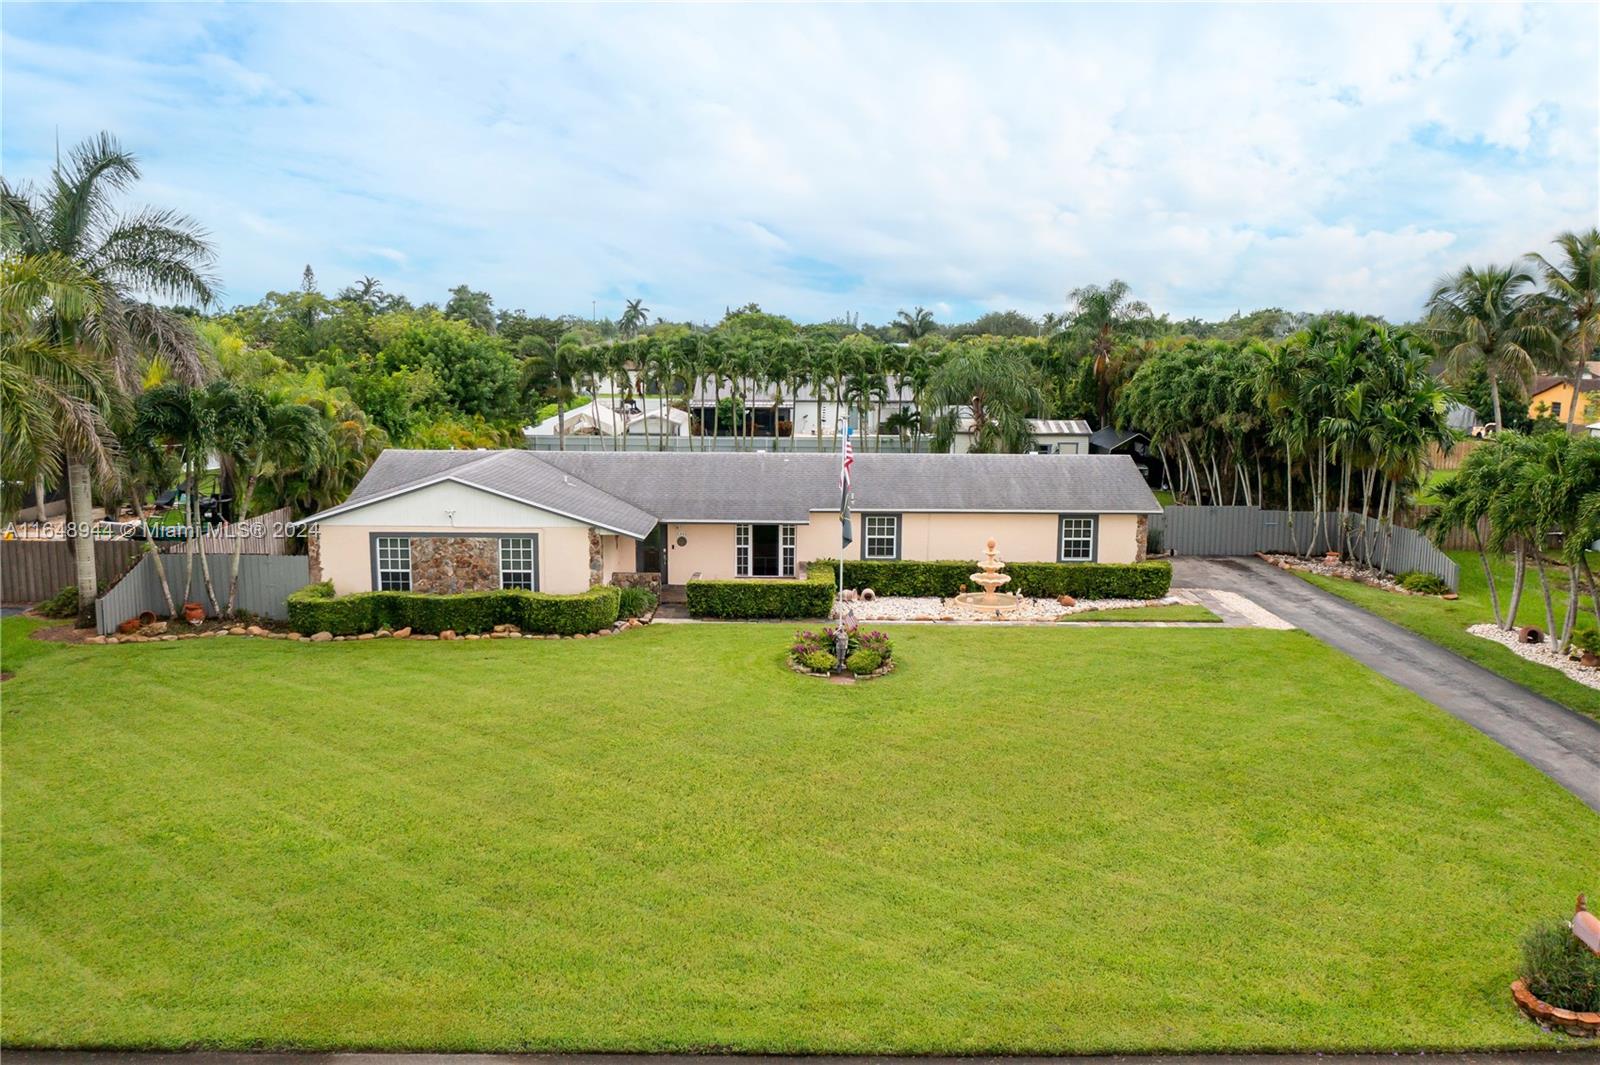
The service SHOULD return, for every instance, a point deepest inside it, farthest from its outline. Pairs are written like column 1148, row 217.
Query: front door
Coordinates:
column 764, row 556
column 651, row 552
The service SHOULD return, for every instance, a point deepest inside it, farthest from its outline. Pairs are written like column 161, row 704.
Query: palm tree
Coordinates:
column 914, row 325
column 1571, row 304
column 152, row 252
column 1101, row 315
column 180, row 422
column 260, row 432
column 54, row 396
column 634, row 317
column 1485, row 313
column 998, row 384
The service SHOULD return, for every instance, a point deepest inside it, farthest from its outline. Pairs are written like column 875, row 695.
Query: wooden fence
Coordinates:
column 1246, row 530
column 266, row 534
column 1438, row 460
column 265, row 582
column 31, row 570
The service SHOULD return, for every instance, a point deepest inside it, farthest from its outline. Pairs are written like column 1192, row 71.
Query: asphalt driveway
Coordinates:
column 1562, row 743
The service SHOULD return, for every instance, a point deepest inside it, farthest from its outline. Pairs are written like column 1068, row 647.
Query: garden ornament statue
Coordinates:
column 841, row 640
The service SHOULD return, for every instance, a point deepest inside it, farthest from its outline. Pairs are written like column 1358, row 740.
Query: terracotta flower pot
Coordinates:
column 194, row 613
column 131, row 625
column 147, row 617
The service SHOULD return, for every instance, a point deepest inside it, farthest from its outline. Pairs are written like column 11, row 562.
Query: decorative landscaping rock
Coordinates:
column 322, row 637
column 1554, row 1018
column 1541, row 653
column 448, row 634
column 402, row 633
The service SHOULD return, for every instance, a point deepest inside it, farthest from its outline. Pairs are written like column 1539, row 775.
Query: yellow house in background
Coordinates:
column 1554, row 395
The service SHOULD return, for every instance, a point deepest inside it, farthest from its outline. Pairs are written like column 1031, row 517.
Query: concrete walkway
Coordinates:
column 1578, row 1056
column 1563, row 744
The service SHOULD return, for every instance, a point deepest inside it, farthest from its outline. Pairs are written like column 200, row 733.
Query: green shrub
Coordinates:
column 863, row 661
column 817, row 661
column 809, row 598
column 315, row 608
column 1559, row 969
column 64, row 604
column 636, row 602
column 1587, row 638
column 1046, row 580
column 1423, row 583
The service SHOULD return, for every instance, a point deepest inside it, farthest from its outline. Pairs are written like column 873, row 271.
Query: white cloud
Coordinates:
column 1218, row 158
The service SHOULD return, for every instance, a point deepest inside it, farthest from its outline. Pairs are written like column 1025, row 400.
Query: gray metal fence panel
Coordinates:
column 265, row 582
column 31, row 570
column 1227, row 531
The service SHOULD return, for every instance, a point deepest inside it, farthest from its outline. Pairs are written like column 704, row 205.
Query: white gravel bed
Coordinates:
column 1541, row 653
column 932, row 608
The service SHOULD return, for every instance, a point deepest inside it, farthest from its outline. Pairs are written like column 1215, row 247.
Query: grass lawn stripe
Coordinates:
column 1242, row 832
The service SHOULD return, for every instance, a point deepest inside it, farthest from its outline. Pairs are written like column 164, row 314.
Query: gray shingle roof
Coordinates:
column 629, row 492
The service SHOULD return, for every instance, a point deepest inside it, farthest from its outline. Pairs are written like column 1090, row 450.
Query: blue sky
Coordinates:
column 823, row 160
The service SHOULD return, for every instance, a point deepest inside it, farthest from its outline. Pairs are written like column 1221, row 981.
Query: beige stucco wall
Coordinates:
column 346, row 553
column 1118, row 538
column 618, row 553
column 707, row 550
column 924, row 537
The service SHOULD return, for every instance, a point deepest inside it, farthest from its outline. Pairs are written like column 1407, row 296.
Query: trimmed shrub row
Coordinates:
column 315, row 608
column 1046, row 580
column 808, row 598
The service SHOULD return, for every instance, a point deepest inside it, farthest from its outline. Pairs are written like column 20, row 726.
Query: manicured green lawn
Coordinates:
column 1051, row 839
column 1172, row 612
column 1445, row 623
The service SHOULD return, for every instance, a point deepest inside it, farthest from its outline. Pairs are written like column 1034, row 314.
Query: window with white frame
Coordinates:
column 880, row 536
column 1077, row 539
column 741, row 550
column 394, row 563
column 516, row 562
column 786, row 550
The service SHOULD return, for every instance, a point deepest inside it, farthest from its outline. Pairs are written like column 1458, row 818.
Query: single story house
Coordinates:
column 448, row 521
column 1051, row 436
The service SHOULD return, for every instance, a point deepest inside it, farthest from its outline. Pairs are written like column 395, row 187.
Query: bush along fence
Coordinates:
column 1190, row 530
column 813, row 596
column 265, row 584
column 1041, row 580
column 315, row 609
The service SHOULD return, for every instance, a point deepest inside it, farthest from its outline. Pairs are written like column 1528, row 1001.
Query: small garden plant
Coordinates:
column 1424, row 583
column 1559, row 969
column 813, row 651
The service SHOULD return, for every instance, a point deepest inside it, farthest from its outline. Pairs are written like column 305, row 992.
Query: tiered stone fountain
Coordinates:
column 989, row 578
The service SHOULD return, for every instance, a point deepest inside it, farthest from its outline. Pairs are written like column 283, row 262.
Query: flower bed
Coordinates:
column 871, row 654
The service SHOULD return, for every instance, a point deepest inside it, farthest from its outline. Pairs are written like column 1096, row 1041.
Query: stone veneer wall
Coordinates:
column 632, row 579
column 314, row 555
column 444, row 564
column 1142, row 538
column 597, row 561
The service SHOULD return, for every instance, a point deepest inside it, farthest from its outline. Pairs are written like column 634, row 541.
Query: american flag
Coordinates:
column 849, row 460
column 846, row 535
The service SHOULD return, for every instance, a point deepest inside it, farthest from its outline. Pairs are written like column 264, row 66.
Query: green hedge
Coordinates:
column 811, row 597
column 315, row 608
column 1081, row 580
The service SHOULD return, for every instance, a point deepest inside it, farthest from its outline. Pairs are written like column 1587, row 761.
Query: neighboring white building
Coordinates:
column 648, row 417
column 1051, row 436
